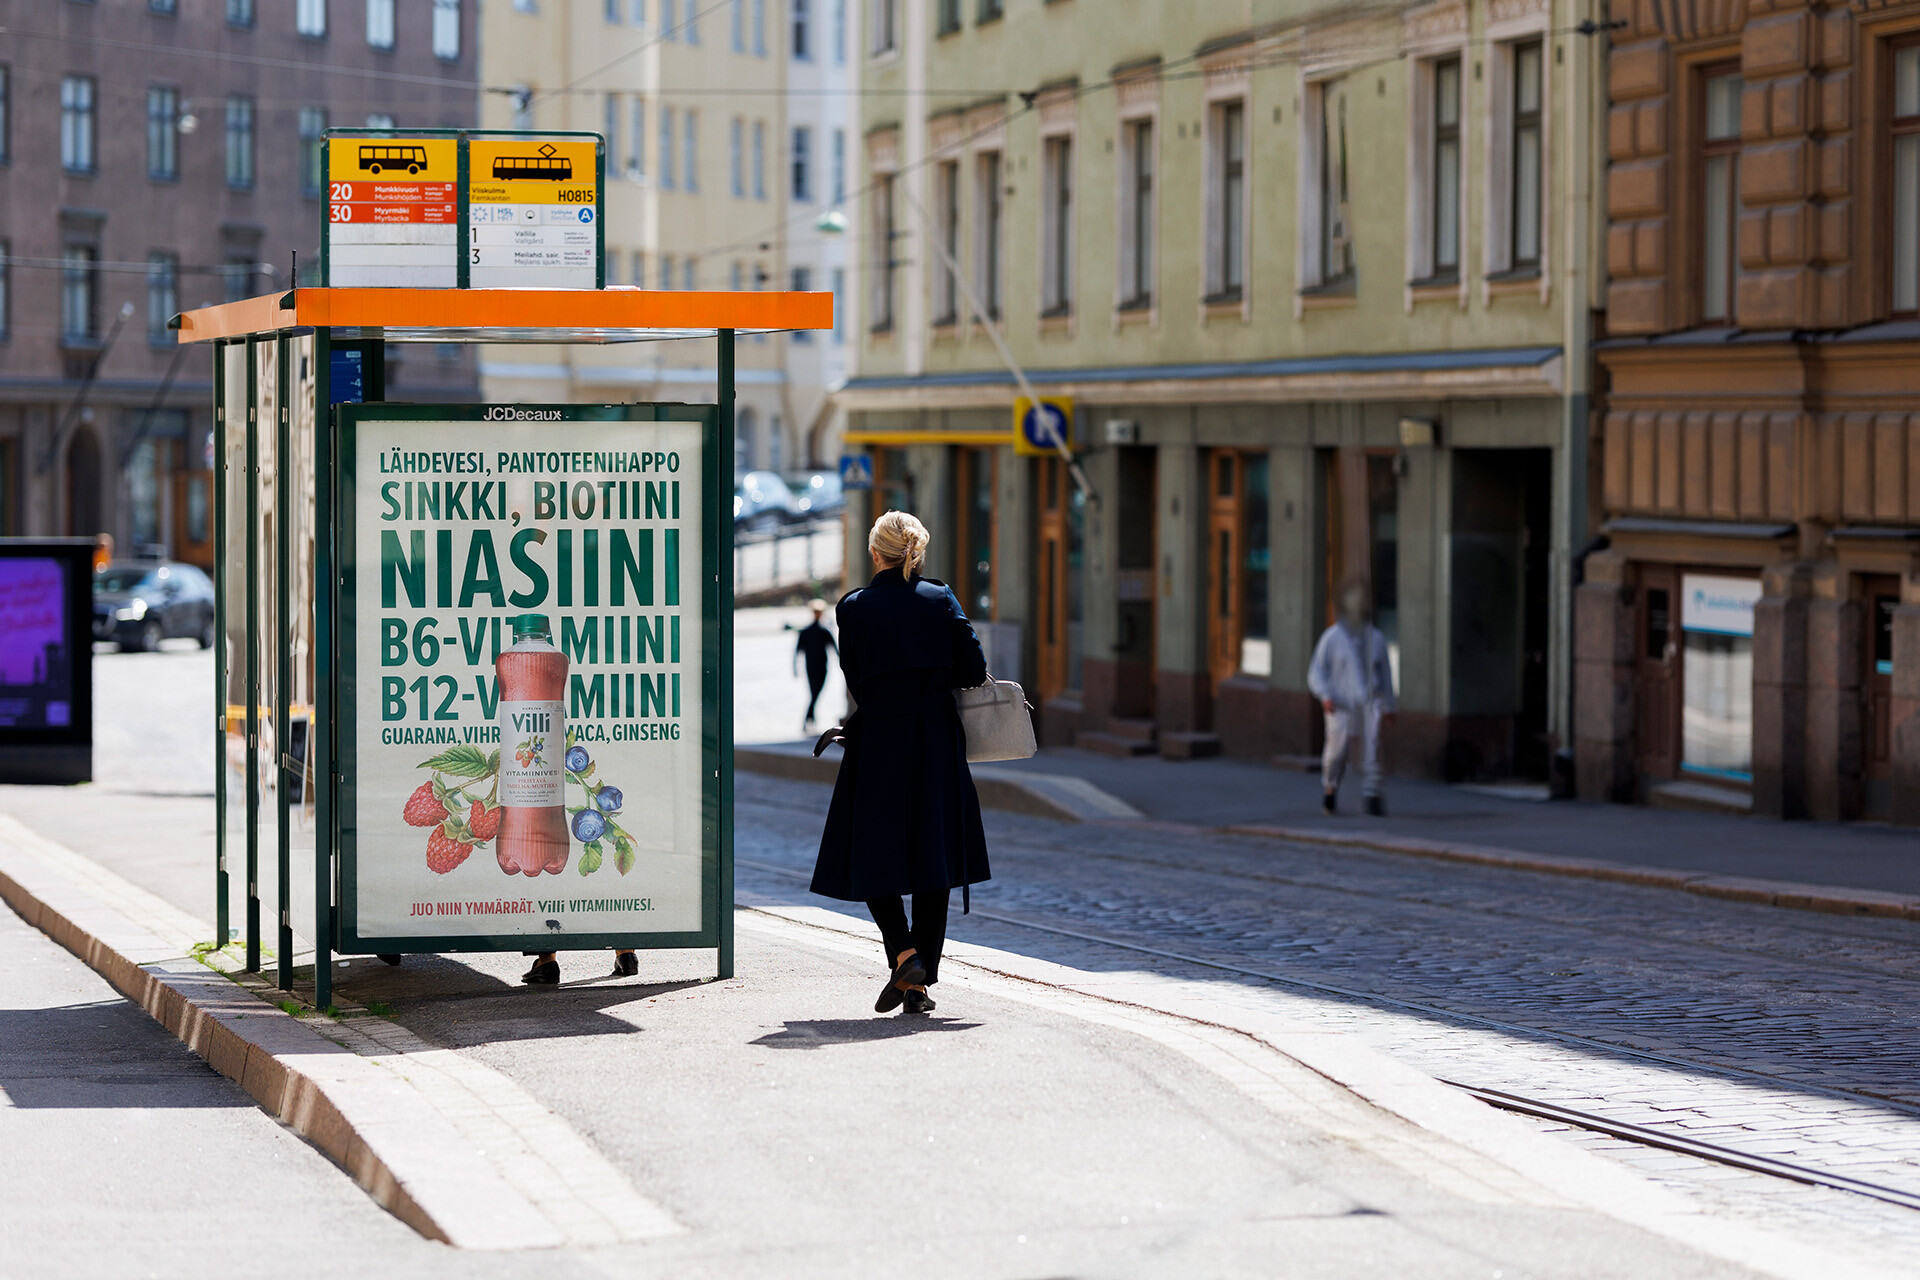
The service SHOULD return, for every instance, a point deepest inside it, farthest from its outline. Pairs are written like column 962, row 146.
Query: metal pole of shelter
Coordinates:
column 320, row 737
column 252, row 535
column 220, row 606
column 719, row 489
column 286, row 769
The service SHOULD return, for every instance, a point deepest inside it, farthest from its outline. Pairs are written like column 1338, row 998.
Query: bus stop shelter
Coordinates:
column 578, row 508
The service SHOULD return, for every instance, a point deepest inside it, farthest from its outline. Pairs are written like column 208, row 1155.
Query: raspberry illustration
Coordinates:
column 577, row 758
column 607, row 799
column 588, row 825
column 424, row 808
column 444, row 853
column 482, row 821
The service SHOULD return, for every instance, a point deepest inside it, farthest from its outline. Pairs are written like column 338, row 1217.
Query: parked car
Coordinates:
column 142, row 602
column 818, row 493
column 762, row 501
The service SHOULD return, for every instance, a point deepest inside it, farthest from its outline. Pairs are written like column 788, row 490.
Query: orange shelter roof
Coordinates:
column 510, row 315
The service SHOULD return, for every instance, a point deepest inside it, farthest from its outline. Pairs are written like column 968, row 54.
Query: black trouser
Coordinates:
column 816, row 681
column 927, row 935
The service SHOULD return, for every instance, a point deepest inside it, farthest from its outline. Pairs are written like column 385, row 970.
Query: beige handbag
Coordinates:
column 997, row 722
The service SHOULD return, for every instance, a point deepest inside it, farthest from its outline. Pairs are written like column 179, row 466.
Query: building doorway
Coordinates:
column 1657, row 673
column 83, row 485
column 976, row 529
column 1238, row 541
column 1062, row 523
column 1876, row 686
column 1135, row 648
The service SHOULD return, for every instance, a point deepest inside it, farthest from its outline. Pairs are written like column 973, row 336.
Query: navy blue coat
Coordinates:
column 904, row 818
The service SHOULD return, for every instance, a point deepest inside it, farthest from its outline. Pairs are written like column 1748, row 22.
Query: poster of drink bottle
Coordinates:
column 529, row 753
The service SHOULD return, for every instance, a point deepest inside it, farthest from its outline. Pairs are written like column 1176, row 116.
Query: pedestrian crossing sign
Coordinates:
column 856, row 471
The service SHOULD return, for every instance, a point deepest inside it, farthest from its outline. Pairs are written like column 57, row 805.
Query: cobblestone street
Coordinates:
column 1772, row 1032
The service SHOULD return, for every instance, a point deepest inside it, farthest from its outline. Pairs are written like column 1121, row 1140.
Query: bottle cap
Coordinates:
column 531, row 626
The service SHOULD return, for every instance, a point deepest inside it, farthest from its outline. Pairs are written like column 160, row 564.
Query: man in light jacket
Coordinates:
column 1352, row 678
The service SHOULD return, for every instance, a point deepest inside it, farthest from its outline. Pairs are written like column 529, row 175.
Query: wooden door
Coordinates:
column 1224, row 585
column 1876, row 676
column 1051, row 581
column 1657, row 672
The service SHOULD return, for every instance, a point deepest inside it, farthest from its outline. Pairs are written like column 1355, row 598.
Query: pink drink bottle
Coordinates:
column 532, row 676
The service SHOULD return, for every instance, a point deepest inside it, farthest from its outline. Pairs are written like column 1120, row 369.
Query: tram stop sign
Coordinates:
column 1042, row 427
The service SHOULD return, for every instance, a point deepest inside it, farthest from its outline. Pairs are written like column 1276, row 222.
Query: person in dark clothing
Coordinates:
column 904, row 818
column 814, row 642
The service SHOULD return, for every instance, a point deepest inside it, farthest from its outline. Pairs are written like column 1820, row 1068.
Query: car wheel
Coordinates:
column 206, row 633
column 151, row 633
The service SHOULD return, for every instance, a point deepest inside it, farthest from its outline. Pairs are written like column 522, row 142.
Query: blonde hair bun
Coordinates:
column 898, row 541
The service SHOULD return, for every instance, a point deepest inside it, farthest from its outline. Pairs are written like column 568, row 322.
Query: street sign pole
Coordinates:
column 252, row 535
column 283, row 767
column 320, row 736
column 220, row 607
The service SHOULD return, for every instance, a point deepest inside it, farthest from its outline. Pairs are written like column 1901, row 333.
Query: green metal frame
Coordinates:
column 220, row 483
column 253, row 654
column 716, row 611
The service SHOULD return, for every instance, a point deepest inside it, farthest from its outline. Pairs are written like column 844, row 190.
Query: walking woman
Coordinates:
column 904, row 818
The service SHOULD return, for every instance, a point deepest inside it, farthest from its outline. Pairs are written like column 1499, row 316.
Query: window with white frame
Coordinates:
column 840, row 32
column 759, row 158
column 1443, row 182
column 380, row 24
column 884, row 260
column 886, row 16
column 163, row 133
column 446, row 30
column 669, row 27
column 1056, row 225
column 737, row 157
column 946, row 200
column 637, row 140
column 692, row 24
column 666, row 271
column 946, row 17
column 760, row 28
column 1527, row 152
column 1719, row 192
column 839, row 165
column 240, row 143
column 76, row 124
column 691, row 151
column 737, row 12
column 1136, row 214
column 1326, row 228
column 803, row 164
column 240, row 13
column 839, row 302
column 802, row 30
column 79, row 278
column 616, row 10
column 1227, row 202
column 667, row 173
column 310, row 18
column 989, row 213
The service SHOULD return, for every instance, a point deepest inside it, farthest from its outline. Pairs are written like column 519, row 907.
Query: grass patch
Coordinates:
column 380, row 1008
column 288, row 1006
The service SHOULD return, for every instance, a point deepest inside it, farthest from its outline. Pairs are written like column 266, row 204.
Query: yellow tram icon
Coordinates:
column 547, row 165
column 375, row 157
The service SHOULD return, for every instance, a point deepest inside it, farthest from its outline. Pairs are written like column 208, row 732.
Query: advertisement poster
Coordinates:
column 525, row 737
column 36, row 668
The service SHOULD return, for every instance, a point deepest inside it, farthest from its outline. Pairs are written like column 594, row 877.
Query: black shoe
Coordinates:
column 545, row 973
column 393, row 960
column 1326, row 803
column 919, row 1002
column 1375, row 808
column 910, row 974
column 626, row 964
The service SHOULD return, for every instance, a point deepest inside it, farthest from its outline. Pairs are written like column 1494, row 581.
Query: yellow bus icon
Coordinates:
column 374, row 158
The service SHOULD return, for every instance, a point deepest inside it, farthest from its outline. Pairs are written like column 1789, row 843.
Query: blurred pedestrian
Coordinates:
column 905, row 818
column 814, row 642
column 1353, row 679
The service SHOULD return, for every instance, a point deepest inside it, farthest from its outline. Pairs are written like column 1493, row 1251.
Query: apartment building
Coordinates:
column 1750, row 638
column 1319, row 289
column 157, row 155
column 721, row 124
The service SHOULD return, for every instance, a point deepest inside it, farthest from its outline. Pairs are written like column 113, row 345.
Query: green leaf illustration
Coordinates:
column 590, row 857
column 622, row 854
column 462, row 762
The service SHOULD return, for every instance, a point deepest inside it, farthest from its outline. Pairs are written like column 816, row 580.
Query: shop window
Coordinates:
column 1061, row 580
column 1239, row 538
column 1716, row 716
column 974, row 537
column 1383, row 536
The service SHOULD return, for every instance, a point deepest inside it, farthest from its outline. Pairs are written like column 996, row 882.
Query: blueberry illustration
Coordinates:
column 577, row 758
column 588, row 825
column 608, row 799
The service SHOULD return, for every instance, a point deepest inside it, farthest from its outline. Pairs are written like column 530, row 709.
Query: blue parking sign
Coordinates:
column 856, row 471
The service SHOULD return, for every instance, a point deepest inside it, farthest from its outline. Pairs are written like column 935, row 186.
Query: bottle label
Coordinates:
column 533, row 749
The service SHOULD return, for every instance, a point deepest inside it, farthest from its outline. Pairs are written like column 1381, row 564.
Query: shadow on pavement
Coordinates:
column 107, row 1054
column 818, row 1033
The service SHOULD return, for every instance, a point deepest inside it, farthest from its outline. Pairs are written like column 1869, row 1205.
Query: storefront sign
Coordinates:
column 392, row 211
column 1722, row 606
column 529, row 722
